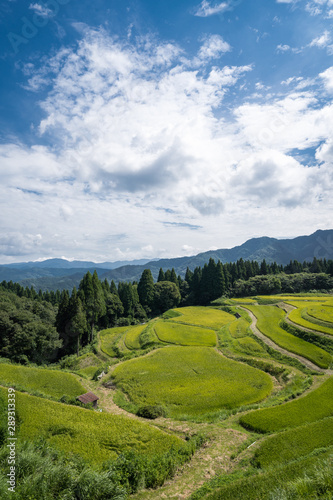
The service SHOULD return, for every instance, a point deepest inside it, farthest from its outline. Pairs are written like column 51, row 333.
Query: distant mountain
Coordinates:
column 60, row 274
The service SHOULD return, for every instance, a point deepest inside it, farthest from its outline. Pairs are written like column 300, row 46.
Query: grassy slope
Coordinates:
column 203, row 316
column 94, row 436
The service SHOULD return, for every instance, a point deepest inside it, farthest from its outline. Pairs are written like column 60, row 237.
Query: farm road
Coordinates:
column 272, row 344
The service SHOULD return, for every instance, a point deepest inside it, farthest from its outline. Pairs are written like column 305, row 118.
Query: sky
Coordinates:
column 162, row 128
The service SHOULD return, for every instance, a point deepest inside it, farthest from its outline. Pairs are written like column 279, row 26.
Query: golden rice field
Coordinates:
column 203, row 316
column 180, row 334
column 191, row 381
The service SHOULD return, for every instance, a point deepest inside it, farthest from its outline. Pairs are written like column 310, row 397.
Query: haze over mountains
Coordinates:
column 56, row 274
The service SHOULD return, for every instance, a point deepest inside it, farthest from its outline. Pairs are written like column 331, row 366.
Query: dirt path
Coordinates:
column 212, row 459
column 272, row 344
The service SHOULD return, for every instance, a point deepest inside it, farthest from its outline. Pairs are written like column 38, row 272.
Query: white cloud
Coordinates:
column 41, row 10
column 205, row 9
column 283, row 48
column 322, row 40
column 213, row 48
column 327, row 76
column 142, row 129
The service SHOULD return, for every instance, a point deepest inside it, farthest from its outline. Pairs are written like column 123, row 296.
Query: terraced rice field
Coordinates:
column 94, row 436
column 50, row 383
column 180, row 334
column 132, row 337
column 203, row 316
column 315, row 316
column 109, row 337
column 269, row 318
column 191, row 381
column 316, row 405
column 295, row 443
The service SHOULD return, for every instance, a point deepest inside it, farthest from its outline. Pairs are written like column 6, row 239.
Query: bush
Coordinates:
column 151, row 412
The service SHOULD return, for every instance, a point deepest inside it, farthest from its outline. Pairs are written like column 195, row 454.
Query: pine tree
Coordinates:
column 161, row 275
column 146, row 290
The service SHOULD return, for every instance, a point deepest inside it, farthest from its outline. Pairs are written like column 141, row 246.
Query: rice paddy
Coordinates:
column 316, row 405
column 184, row 335
column 190, row 381
column 49, row 383
column 269, row 318
column 203, row 316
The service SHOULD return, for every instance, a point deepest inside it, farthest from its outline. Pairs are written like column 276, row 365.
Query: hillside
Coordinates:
column 60, row 274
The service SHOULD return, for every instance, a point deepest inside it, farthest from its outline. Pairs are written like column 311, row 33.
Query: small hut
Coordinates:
column 89, row 397
column 238, row 315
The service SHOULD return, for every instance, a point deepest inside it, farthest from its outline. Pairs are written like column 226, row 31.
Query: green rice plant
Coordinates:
column 88, row 364
column 148, row 337
column 296, row 316
column 190, row 381
column 203, row 316
column 248, row 345
column 94, row 436
column 109, row 337
column 49, row 383
column 255, row 485
column 294, row 443
column 132, row 337
column 269, row 318
column 321, row 312
column 316, row 405
column 239, row 328
column 180, row 334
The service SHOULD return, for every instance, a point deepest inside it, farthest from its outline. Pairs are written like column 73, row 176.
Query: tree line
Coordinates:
column 66, row 321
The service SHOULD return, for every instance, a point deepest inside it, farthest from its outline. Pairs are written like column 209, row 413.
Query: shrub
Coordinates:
column 152, row 412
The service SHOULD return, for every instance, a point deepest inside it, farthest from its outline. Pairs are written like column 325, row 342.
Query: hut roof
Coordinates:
column 89, row 397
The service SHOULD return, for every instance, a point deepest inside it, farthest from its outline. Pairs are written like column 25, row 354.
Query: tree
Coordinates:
column 161, row 275
column 93, row 299
column 77, row 324
column 166, row 296
column 146, row 290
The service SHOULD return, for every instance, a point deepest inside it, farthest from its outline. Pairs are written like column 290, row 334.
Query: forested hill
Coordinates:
column 53, row 275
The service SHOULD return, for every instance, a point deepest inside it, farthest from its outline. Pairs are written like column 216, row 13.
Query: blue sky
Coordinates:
column 141, row 129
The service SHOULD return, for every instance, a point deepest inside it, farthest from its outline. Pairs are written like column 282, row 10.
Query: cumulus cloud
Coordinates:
column 143, row 128
column 213, row 48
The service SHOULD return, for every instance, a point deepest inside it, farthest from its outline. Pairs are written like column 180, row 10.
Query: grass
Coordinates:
column 316, row 405
column 203, row 316
column 109, row 337
column 262, row 486
column 269, row 318
column 132, row 337
column 49, row 383
column 185, row 335
column 94, row 436
column 191, row 381
column 295, row 443
column 88, row 364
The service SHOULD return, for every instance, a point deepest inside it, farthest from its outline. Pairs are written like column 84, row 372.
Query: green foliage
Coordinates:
column 315, row 406
column 27, row 329
column 190, row 381
column 45, row 474
column 269, row 318
column 166, row 296
column 184, row 334
column 295, row 443
column 297, row 317
column 148, row 336
column 151, row 411
column 50, row 383
column 94, row 436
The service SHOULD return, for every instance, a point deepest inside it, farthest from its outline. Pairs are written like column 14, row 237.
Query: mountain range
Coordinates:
column 53, row 274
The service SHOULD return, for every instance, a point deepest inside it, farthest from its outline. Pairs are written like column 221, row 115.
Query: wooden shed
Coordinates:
column 89, row 397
